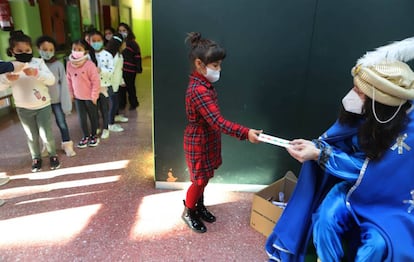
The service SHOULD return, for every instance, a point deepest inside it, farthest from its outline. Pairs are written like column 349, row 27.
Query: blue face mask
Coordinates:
column 46, row 55
column 97, row 45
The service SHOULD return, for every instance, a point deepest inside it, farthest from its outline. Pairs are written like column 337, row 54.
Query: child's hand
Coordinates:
column 30, row 71
column 18, row 66
column 12, row 77
column 253, row 135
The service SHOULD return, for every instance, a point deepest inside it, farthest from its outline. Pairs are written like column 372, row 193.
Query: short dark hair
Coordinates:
column 45, row 38
column 110, row 29
column 96, row 32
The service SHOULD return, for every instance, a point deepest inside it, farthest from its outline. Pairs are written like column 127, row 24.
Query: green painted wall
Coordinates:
column 143, row 32
column 26, row 18
column 4, row 38
column 73, row 21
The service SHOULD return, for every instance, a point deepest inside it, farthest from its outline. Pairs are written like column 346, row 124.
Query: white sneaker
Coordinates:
column 4, row 180
column 121, row 118
column 98, row 131
column 115, row 128
column 105, row 134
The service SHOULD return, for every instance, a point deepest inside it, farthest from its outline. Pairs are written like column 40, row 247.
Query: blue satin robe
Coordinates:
column 382, row 195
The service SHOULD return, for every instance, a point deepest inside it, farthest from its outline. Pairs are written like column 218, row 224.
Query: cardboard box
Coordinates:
column 264, row 214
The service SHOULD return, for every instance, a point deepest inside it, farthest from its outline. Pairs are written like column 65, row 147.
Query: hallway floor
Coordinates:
column 101, row 205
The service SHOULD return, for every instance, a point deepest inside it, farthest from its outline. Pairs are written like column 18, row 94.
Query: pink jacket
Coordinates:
column 84, row 82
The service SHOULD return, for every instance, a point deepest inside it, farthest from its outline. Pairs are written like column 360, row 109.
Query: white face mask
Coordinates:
column 353, row 103
column 212, row 75
column 124, row 34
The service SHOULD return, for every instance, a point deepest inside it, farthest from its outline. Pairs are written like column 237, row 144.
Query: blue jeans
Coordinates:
column 61, row 121
column 113, row 107
column 37, row 124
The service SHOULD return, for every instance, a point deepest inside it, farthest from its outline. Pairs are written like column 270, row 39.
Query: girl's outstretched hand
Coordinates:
column 303, row 150
column 30, row 71
column 12, row 77
column 253, row 135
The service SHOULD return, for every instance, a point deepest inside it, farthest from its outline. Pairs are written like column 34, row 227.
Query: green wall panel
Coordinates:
column 143, row 31
column 25, row 18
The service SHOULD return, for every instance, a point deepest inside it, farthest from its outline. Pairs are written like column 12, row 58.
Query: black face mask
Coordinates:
column 24, row 57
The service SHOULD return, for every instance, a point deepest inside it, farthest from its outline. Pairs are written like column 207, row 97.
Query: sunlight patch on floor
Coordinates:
column 55, row 227
column 45, row 199
column 29, row 190
column 154, row 209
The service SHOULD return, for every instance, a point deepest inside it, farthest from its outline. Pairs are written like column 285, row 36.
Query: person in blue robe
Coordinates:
column 356, row 186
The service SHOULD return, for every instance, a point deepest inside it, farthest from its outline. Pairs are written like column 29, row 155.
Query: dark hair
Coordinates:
column 114, row 44
column 88, row 31
column 88, row 48
column 131, row 35
column 376, row 138
column 15, row 37
column 45, row 38
column 348, row 118
column 96, row 32
column 110, row 29
column 204, row 49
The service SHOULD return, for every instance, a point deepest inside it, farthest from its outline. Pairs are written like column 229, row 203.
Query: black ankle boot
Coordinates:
column 203, row 212
column 190, row 217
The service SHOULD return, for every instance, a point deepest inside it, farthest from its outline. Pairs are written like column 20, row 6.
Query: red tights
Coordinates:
column 194, row 192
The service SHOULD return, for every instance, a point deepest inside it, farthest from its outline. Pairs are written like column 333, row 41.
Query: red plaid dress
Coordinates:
column 202, row 136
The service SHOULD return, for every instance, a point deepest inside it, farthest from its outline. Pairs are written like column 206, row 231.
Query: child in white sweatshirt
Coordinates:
column 106, row 69
column 114, row 47
column 31, row 97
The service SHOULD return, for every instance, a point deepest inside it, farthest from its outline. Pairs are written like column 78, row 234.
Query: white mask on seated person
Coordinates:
column 352, row 102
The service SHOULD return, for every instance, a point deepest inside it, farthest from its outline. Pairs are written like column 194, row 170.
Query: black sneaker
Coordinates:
column 54, row 162
column 83, row 143
column 36, row 165
column 93, row 141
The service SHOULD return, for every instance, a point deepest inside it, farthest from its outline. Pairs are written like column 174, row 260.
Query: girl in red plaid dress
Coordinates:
column 202, row 136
